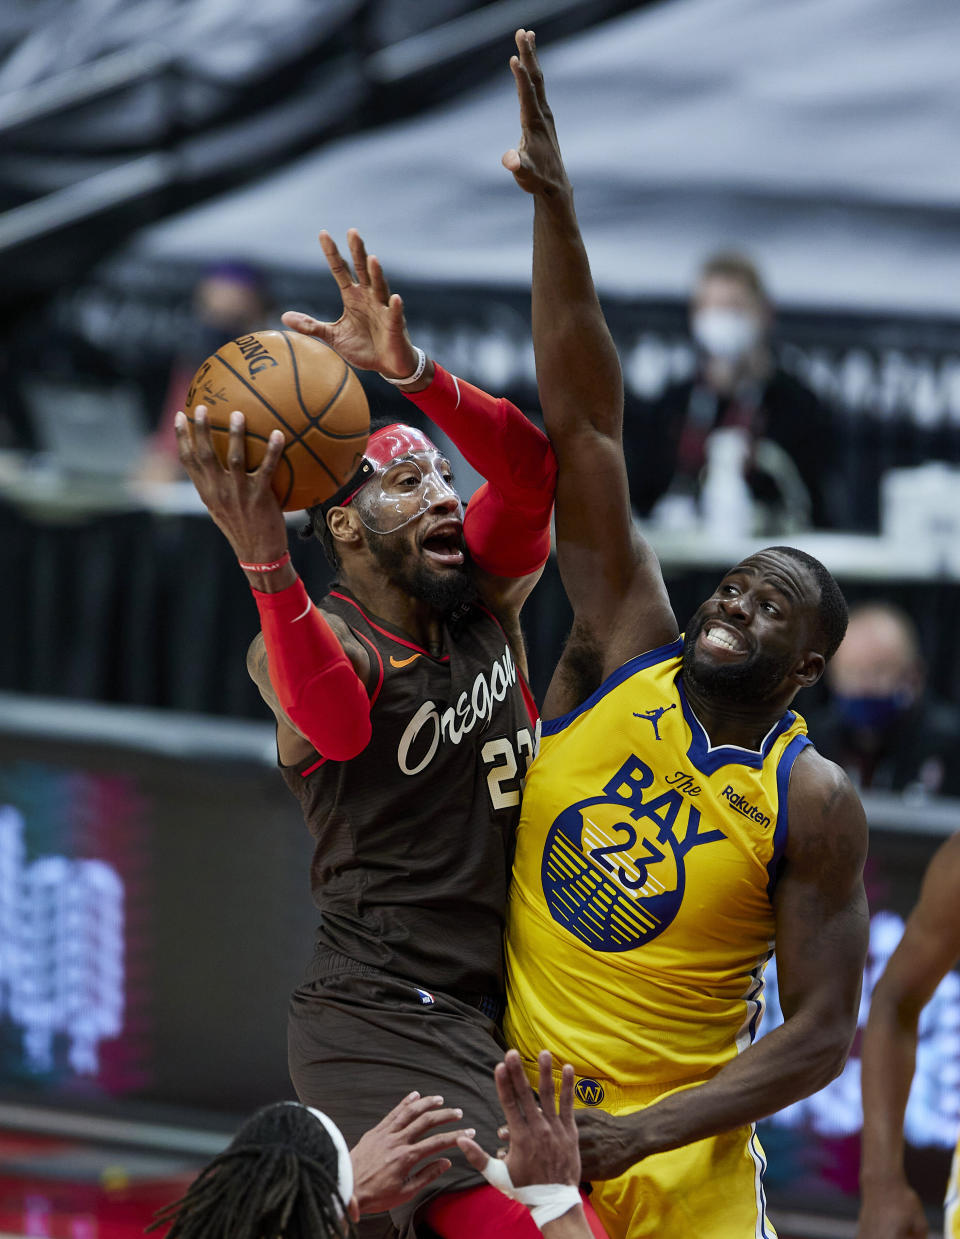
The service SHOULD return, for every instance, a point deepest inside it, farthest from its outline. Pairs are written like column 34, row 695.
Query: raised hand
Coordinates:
column 536, row 163
column 384, row 1157
column 543, row 1139
column 371, row 333
column 242, row 504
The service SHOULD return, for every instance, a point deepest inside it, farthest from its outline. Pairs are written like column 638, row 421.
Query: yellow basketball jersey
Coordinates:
column 951, row 1204
column 640, row 916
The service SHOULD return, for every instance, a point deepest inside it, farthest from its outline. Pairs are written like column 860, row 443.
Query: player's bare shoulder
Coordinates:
column 827, row 824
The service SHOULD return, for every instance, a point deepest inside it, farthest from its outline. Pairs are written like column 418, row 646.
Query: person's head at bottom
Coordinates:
column 287, row 1173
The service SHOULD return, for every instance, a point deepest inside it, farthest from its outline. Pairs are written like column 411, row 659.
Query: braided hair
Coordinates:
column 276, row 1180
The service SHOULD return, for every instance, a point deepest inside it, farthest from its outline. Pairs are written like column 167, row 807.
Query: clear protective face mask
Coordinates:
column 403, row 490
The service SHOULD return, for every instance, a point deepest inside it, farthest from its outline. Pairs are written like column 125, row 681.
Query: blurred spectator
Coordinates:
column 879, row 723
column 230, row 300
column 738, row 384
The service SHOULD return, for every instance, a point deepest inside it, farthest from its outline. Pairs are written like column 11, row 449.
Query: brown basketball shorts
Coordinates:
column 360, row 1040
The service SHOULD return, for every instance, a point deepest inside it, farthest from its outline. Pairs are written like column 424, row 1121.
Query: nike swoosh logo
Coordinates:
column 403, row 662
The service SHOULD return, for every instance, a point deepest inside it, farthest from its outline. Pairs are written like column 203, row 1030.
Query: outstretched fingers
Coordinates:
column 237, row 451
column 187, row 449
column 306, row 325
column 567, row 1080
column 338, row 267
column 407, row 1109
column 202, row 440
column 427, row 1121
column 432, row 1170
column 535, row 163
column 527, row 49
column 473, row 1153
column 429, row 1145
column 530, row 113
column 516, row 1096
column 196, row 451
column 545, row 1085
column 237, row 444
column 181, row 428
column 378, row 281
column 358, row 252
column 267, row 467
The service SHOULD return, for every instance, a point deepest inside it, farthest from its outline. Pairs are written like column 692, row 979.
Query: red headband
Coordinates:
column 385, row 445
column 389, row 443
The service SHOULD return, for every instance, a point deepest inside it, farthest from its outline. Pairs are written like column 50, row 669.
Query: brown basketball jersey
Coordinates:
column 415, row 835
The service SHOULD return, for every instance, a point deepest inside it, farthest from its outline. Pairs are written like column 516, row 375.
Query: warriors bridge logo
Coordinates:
column 614, row 865
column 589, row 1092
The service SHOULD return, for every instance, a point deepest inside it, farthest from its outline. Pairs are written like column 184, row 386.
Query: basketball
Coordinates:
column 283, row 380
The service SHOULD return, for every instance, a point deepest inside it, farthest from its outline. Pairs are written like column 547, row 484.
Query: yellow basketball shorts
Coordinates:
column 711, row 1188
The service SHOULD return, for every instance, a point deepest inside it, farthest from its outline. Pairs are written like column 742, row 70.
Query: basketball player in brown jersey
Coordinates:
column 404, row 727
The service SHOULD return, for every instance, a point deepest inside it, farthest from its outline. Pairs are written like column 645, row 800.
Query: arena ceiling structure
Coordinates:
column 820, row 135
column 117, row 113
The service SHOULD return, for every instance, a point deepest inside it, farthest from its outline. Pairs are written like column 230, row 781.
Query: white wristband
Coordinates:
column 411, row 378
column 546, row 1201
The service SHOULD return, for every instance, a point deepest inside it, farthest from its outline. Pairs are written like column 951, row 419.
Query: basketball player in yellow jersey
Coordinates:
column 677, row 826
column 929, row 948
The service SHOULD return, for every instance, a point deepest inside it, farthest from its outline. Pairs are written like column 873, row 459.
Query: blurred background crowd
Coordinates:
column 768, row 194
column 765, row 194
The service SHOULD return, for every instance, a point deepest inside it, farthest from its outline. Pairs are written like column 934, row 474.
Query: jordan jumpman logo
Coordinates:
column 654, row 716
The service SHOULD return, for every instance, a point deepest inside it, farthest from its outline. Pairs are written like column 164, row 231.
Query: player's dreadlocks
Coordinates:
column 278, row 1179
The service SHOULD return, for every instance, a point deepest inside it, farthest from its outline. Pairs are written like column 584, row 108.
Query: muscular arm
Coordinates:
column 610, row 573
column 821, row 942
column 929, row 948
column 293, row 745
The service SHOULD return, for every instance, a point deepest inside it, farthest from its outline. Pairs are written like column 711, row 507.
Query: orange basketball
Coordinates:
column 286, row 380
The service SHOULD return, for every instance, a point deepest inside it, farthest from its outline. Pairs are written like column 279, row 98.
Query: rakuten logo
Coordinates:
column 743, row 805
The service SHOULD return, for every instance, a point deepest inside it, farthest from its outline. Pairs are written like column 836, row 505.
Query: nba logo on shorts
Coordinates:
column 426, row 997
column 590, row 1092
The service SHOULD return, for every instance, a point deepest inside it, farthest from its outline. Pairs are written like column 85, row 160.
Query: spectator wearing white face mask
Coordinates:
column 738, row 384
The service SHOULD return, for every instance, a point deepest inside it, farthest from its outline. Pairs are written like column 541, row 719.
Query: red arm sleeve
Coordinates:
column 315, row 682
column 507, row 525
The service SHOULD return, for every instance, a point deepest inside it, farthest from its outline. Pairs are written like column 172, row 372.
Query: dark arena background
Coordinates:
column 154, row 902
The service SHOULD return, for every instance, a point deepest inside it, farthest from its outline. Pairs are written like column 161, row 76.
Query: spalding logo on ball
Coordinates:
column 280, row 379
